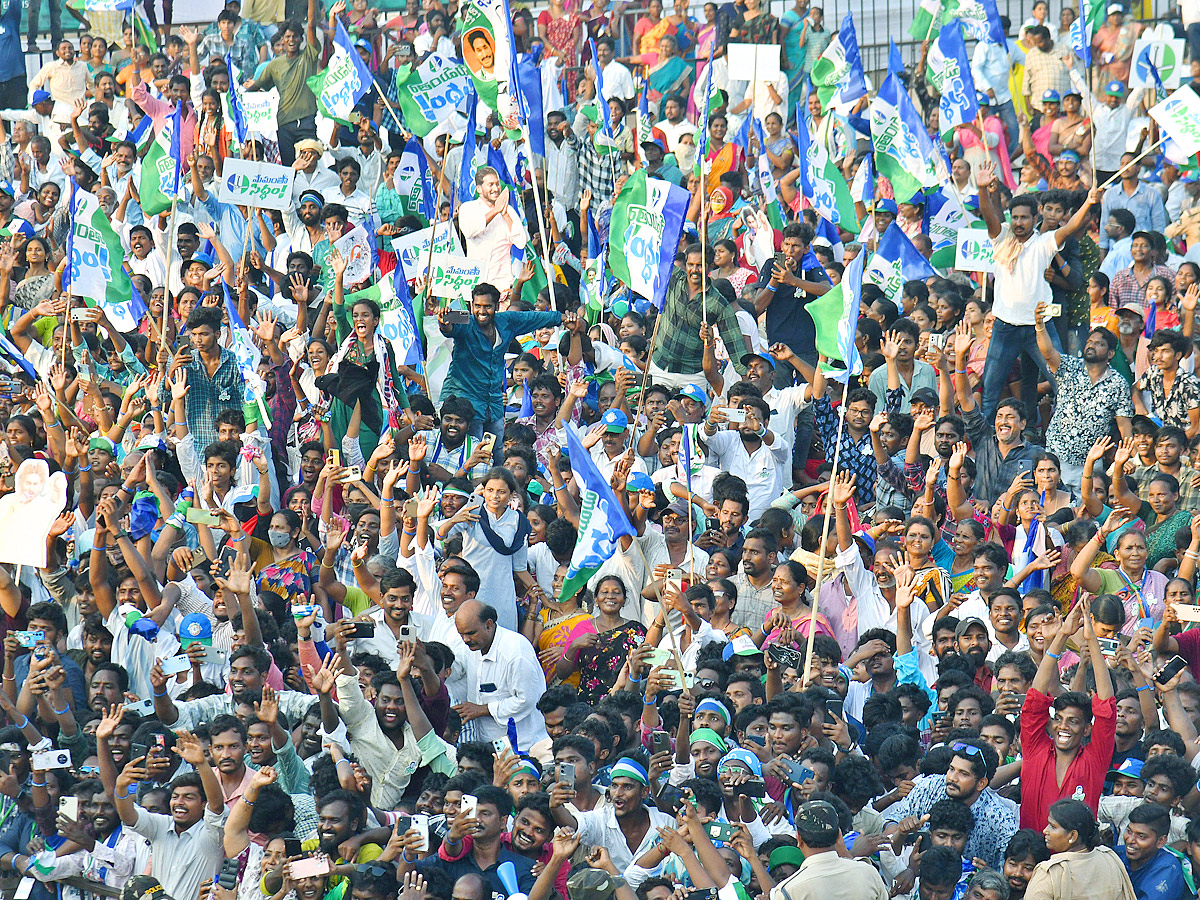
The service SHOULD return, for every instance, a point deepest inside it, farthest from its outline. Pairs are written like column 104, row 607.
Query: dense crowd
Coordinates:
column 453, row 454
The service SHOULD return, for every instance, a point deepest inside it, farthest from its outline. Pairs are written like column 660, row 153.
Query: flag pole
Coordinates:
column 437, row 202
column 1133, row 162
column 162, row 332
column 387, row 103
column 537, row 205
column 837, row 453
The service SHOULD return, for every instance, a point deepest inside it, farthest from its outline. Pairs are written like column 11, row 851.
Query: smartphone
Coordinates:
column 309, row 868
column 469, row 805
column 361, row 630
column 292, row 847
column 458, row 316
column 199, row 516
column 754, row 788
column 488, row 441
column 52, row 759
column 1053, row 310
column 141, row 707
column 499, row 745
column 720, row 831
column 1176, row 665
column 403, row 823
column 421, row 823
column 1187, row 612
column 1109, row 646
column 798, row 773
column 938, row 340
column 735, row 416
column 350, row 475
column 213, row 657
column 410, row 508
column 139, row 751
column 174, row 665
column 833, row 708
column 408, row 634
column 913, row 836
column 660, row 741
column 335, row 457
column 939, row 714
column 30, row 638
column 701, row 894
column 564, row 773
column 81, row 314
column 68, row 807
column 199, row 558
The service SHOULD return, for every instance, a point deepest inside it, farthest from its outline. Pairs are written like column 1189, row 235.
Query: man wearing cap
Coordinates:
column 290, row 72
column 1111, row 118
column 656, row 165
column 310, row 174
column 824, row 874
column 607, row 442
column 627, row 828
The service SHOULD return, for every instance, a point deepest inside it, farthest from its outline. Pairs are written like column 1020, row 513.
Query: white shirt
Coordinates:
column 383, row 641
column 509, row 680
column 606, row 465
column 181, row 862
column 1018, row 293
column 492, row 241
column 618, row 82
column 762, row 469
column 599, row 828
column 673, row 130
column 785, row 404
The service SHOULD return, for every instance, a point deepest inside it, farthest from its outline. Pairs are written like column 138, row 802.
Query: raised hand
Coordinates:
column 188, row 746
column 268, row 709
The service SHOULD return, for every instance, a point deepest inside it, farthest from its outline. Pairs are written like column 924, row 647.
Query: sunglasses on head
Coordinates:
column 969, row 749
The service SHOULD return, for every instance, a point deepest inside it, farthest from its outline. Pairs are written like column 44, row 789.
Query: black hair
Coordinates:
column 1027, row 844
column 1073, row 815
column 953, row 815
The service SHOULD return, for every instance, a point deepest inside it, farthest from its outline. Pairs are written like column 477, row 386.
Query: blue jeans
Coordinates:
column 1009, row 342
column 1008, row 116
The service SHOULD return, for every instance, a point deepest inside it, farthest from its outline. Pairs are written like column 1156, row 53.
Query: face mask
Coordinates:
column 685, row 155
column 279, row 539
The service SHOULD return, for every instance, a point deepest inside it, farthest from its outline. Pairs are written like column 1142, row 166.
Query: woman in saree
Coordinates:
column 559, row 625
column 598, row 657
column 363, row 371
column 722, row 224
column 758, row 25
column 789, row 621
column 722, row 156
column 671, row 74
column 561, row 33
column 706, row 39
column 648, row 31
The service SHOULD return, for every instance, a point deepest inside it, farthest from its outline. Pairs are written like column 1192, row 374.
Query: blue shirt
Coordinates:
column 12, row 58
column 1146, row 204
column 1159, row 879
column 477, row 364
column 75, row 680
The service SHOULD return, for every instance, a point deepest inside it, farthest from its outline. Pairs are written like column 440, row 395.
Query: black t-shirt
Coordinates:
column 788, row 322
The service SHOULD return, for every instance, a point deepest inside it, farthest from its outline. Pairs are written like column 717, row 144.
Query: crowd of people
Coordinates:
column 297, row 604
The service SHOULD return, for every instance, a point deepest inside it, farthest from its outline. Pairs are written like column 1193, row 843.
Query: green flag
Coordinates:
column 430, row 93
column 95, row 272
column 160, row 172
column 928, row 19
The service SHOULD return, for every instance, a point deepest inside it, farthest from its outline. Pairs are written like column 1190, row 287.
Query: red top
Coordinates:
column 1039, row 784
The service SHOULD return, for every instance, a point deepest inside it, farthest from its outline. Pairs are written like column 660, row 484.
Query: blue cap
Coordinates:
column 1130, row 768
column 1115, row 89
column 194, row 628
column 614, row 420
column 6, row 187
column 887, row 204
column 1050, row 95
column 639, row 481
column 363, row 44
column 694, row 392
column 40, row 96
column 982, row 98
column 766, row 357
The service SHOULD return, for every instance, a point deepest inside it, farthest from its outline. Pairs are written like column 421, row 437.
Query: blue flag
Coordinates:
column 1081, row 40
column 9, row 349
column 742, row 138
column 529, row 80
column 895, row 262
column 895, row 61
column 949, row 71
column 1160, row 92
column 407, row 338
column 240, row 129
column 428, row 204
column 846, row 335
column 602, row 519
column 605, row 112
column 686, row 440
column 176, row 151
column 466, row 175
column 868, row 194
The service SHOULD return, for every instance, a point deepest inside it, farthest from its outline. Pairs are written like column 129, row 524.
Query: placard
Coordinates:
column 28, row 511
column 1179, row 115
column 265, row 185
column 261, row 109
column 757, row 61
column 453, row 275
column 413, row 249
column 973, row 251
column 1167, row 57
column 356, row 250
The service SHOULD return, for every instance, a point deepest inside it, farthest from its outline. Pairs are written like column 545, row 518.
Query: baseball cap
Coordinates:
column 982, row 98
column 887, row 204
column 142, row 887
column 1115, row 88
column 817, row 821
column 592, row 884
column 1050, row 95
column 678, row 507
column 928, row 396
column 740, row 646
column 656, row 142
column 40, row 96
column 1132, row 311
column 614, row 421
column 6, row 187
column 694, row 392
column 1114, row 8
column 639, row 481
column 195, row 629
column 969, row 622
column 784, row 856
column 1130, row 768
column 763, row 356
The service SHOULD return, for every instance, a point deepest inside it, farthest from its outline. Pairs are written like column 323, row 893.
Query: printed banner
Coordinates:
column 412, row 250
column 264, row 185
column 451, row 274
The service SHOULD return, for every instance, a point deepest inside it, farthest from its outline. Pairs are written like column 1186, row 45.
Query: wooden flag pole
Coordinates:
column 433, row 224
column 162, row 333
column 537, row 205
column 1137, row 159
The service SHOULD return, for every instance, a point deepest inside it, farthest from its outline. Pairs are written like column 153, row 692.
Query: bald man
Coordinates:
column 504, row 679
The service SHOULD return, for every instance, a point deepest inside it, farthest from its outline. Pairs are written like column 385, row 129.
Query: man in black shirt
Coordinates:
column 788, row 282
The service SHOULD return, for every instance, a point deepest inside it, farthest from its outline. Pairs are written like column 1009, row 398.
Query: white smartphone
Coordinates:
column 407, row 633
column 1053, row 310
column 214, row 657
column 421, row 824
column 174, row 665
column 68, row 807
column 469, row 805
column 51, row 759
column 735, row 416
column 1187, row 612
column 141, row 707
